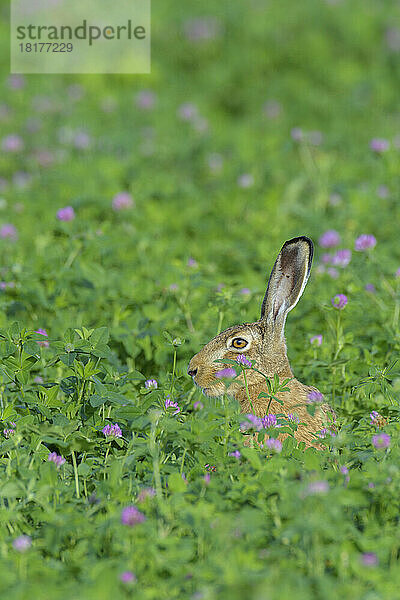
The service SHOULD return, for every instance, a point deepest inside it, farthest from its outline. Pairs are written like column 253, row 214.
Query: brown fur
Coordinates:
column 267, row 348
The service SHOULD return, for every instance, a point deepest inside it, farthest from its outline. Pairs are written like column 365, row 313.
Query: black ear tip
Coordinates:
column 302, row 239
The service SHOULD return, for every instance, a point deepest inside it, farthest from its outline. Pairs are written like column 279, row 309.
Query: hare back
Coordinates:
column 295, row 402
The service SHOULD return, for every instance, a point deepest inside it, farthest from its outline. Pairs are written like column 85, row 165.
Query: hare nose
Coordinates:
column 192, row 372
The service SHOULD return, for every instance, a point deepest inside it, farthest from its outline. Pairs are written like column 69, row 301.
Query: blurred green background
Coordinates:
column 254, row 126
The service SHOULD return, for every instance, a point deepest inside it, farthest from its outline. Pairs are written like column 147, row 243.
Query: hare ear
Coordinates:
column 287, row 280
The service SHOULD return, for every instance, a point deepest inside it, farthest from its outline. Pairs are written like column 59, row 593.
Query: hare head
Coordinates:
column 263, row 341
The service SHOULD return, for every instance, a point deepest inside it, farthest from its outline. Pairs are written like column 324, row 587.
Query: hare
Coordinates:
column 263, row 343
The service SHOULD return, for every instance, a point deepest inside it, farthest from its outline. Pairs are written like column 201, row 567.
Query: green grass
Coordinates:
column 100, row 285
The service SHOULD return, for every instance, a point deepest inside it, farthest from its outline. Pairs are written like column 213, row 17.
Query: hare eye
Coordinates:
column 239, row 343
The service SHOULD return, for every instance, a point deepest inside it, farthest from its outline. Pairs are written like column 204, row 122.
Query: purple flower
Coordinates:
column 132, row 516
column 377, row 420
column 242, row 360
column 364, row 241
column 374, row 416
column 329, row 239
column 44, row 343
column 22, row 543
column 173, row 287
column 44, row 157
column 41, row 331
column 315, row 397
column 198, row 405
column 38, row 379
column 272, row 109
column 252, row 422
column 339, row 301
column 122, row 201
column 381, row 440
column 202, row 29
column 316, row 340
column 332, row 272
column 207, row 478
column 341, row 258
column 8, row 231
column 297, row 134
column 294, row 418
column 8, row 433
column 112, row 431
column 369, row 559
column 245, row 291
column 128, row 577
column 151, row 384
column 245, row 181
column 322, row 433
column 145, row 99
column 382, row 191
column 370, row 288
column 192, row 262
column 227, row 373
column 392, row 36
column 12, row 143
column 379, row 145
column 170, row 404
column 345, row 472
column 56, row 459
column 146, row 493
column 187, row 111
column 66, row 214
column 269, row 421
column 398, row 272
column 317, row 487
column 81, row 140
column 43, row 104
column 326, row 258
column 235, row 454
column 16, row 82
column 273, row 444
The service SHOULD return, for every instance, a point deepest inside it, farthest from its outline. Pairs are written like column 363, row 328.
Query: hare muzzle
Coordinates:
column 203, row 375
